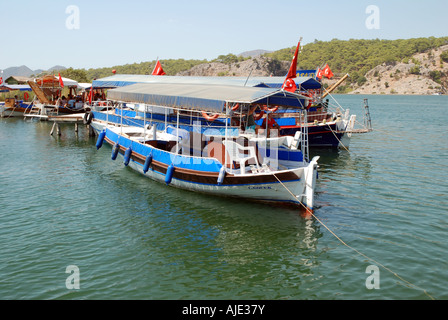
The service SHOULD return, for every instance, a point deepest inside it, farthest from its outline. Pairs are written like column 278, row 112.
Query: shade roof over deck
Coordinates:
column 120, row 80
column 205, row 97
column 12, row 87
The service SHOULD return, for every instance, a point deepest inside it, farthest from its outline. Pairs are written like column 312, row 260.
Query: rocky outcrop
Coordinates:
column 260, row 66
column 424, row 73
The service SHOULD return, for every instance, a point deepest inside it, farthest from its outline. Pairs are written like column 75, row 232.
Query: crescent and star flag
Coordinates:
column 158, row 71
column 61, row 83
column 319, row 73
column 1, row 77
column 327, row 72
column 289, row 84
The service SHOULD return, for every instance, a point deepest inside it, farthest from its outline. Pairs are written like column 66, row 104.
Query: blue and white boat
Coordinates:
column 329, row 125
column 224, row 164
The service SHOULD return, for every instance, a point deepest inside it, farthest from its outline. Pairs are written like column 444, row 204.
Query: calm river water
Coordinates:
column 63, row 204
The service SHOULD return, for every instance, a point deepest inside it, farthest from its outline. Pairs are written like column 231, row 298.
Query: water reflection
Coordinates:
column 224, row 240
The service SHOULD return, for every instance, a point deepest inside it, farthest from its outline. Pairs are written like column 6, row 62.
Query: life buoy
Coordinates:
column 210, row 118
column 309, row 100
column 273, row 109
column 88, row 116
column 26, row 96
column 235, row 107
column 308, row 104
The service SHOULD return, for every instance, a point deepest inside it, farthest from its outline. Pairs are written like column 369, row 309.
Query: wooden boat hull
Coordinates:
column 296, row 186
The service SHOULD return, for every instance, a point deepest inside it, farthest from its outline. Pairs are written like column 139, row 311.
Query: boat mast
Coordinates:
column 225, row 135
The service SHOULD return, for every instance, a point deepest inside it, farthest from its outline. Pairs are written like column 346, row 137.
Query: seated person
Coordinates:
column 71, row 101
column 64, row 101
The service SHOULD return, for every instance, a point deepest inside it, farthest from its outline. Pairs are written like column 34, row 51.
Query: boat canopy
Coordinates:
column 12, row 87
column 84, row 85
column 121, row 80
column 203, row 97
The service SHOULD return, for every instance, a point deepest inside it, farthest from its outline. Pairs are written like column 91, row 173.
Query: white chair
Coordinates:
column 236, row 154
column 296, row 140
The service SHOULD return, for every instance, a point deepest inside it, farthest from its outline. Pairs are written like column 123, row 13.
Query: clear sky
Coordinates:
column 99, row 33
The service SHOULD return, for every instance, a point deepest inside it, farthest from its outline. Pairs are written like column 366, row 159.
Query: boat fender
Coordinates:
column 127, row 156
column 100, row 140
column 221, row 176
column 169, row 174
column 147, row 162
column 88, row 116
column 115, row 150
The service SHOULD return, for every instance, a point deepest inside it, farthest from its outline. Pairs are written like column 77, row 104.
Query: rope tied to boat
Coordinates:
column 310, row 212
column 332, row 131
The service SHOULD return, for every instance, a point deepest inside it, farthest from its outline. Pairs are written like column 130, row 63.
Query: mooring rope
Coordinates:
column 337, row 138
column 350, row 247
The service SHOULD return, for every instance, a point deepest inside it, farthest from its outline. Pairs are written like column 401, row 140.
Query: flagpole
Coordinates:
column 155, row 65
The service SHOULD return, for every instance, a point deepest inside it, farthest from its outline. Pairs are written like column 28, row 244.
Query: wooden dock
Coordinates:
column 75, row 118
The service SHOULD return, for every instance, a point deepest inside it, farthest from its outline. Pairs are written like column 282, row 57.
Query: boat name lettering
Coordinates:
column 260, row 188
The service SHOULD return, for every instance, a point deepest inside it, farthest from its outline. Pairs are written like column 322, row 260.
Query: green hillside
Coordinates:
column 357, row 57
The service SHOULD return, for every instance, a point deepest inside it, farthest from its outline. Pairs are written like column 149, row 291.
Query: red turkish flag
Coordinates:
column 91, row 95
column 158, row 71
column 292, row 73
column 61, row 83
column 327, row 72
column 289, row 85
column 1, row 80
column 319, row 73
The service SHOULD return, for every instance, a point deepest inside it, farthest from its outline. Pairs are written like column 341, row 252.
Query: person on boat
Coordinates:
column 16, row 102
column 271, row 123
column 251, row 125
column 64, row 101
column 71, row 101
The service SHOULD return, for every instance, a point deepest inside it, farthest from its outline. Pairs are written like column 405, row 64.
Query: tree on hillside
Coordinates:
column 79, row 75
